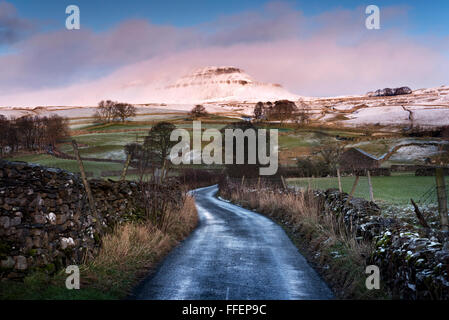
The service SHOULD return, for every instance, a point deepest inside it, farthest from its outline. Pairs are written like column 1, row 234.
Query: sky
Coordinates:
column 125, row 48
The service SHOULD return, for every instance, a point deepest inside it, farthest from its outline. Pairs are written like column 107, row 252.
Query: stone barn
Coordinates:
column 356, row 159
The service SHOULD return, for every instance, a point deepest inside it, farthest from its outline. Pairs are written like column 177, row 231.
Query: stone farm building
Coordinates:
column 356, row 159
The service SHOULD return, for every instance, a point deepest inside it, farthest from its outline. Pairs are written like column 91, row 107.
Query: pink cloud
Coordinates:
column 329, row 54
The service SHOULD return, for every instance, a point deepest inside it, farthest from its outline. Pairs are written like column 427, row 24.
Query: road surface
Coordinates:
column 234, row 254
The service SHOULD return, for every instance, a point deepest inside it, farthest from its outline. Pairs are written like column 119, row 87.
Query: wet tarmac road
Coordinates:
column 234, row 254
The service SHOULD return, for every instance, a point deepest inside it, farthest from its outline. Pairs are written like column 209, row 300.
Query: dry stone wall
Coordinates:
column 45, row 221
column 413, row 262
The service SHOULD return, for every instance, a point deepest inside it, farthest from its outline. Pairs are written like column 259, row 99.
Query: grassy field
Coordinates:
column 107, row 141
column 104, row 145
column 396, row 189
column 70, row 165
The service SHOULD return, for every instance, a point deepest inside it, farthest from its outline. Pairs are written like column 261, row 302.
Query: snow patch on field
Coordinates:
column 410, row 153
column 431, row 116
column 385, row 115
column 113, row 155
column 396, row 115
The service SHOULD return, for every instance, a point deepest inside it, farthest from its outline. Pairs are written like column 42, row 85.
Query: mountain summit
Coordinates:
column 222, row 84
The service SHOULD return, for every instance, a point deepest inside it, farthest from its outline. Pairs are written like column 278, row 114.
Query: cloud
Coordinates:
column 63, row 57
column 12, row 28
column 327, row 54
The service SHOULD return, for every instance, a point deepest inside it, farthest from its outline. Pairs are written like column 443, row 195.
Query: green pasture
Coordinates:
column 70, row 165
column 396, row 189
column 107, row 141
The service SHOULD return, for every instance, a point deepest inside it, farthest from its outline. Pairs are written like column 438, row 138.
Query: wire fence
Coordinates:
column 393, row 189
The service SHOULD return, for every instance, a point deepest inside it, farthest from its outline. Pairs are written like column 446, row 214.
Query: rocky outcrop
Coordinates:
column 45, row 221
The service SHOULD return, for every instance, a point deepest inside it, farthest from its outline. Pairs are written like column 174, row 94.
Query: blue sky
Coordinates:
column 425, row 16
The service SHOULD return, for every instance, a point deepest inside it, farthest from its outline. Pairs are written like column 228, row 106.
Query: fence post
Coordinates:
column 371, row 194
column 353, row 188
column 442, row 198
column 163, row 172
column 419, row 215
column 283, row 183
column 339, row 180
column 125, row 168
column 86, row 186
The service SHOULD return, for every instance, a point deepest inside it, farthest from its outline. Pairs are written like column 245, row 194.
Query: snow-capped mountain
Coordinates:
column 221, row 84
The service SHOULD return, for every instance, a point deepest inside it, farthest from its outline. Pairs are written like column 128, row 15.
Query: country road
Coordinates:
column 234, row 254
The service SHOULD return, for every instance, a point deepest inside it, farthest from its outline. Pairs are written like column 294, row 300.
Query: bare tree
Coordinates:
column 246, row 169
column 4, row 129
column 259, row 111
column 158, row 143
column 282, row 110
column 25, row 127
column 56, row 128
column 331, row 155
column 154, row 151
column 108, row 111
column 302, row 116
column 12, row 139
column 141, row 158
column 105, row 111
column 31, row 133
column 123, row 111
column 198, row 111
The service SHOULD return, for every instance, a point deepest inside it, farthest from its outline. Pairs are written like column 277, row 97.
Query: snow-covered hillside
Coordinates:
column 424, row 107
column 230, row 91
column 220, row 84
